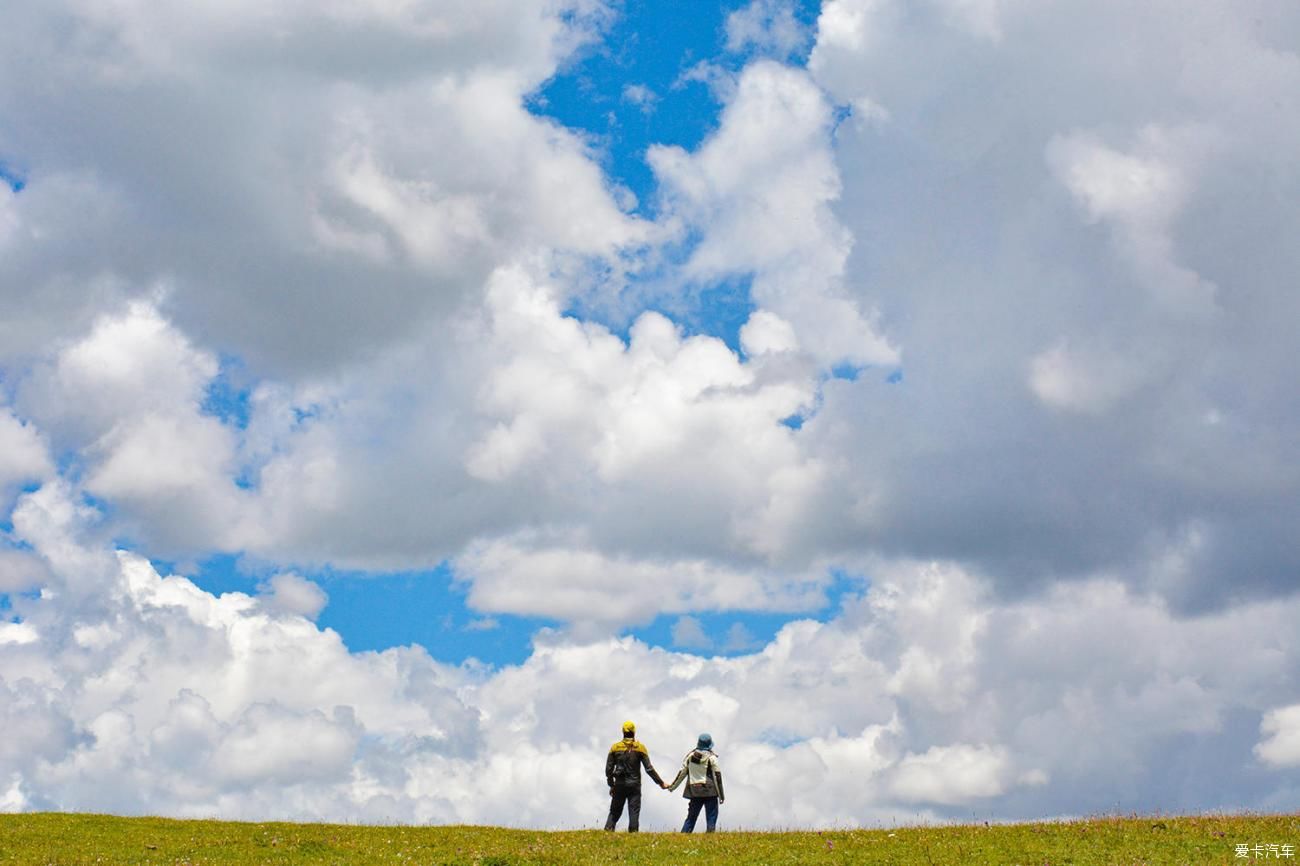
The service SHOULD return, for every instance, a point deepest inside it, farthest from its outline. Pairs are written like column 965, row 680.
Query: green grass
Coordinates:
column 67, row 838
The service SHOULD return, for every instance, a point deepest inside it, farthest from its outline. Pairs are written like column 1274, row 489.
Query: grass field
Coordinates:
column 65, row 838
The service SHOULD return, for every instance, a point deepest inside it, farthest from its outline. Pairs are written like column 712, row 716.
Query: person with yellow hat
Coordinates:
column 623, row 775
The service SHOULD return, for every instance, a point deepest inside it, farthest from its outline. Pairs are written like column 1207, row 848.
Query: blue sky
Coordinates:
column 649, row 82
column 652, row 45
column 376, row 611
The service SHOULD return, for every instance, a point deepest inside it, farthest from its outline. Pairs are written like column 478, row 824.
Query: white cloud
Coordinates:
column 268, row 744
column 251, row 715
column 1279, row 744
column 761, row 189
column 1085, row 381
column 18, row 633
column 608, row 439
column 766, row 332
column 950, row 774
column 688, row 633
column 720, row 80
column 128, row 399
column 1080, row 277
column 23, row 454
column 20, row 571
column 14, row 800
column 1109, row 183
column 292, row 594
column 382, row 195
column 527, row 418
column 306, row 197
column 1142, row 193
column 740, row 639
column 630, row 413
column 982, row 18
column 585, row 587
column 845, row 24
column 641, row 96
column 130, row 364
column 766, row 27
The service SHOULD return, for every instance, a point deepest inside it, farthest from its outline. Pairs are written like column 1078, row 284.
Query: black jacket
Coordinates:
column 623, row 766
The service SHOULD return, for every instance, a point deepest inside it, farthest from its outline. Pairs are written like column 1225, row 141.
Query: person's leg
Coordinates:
column 711, row 814
column 692, row 813
column 634, row 811
column 615, row 809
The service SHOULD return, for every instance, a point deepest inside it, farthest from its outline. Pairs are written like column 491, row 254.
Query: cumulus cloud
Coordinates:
column 950, row 774
column 379, row 145
column 1279, row 745
column 688, row 633
column 130, row 363
column 760, row 189
column 249, row 713
column 641, row 96
column 740, row 639
column 20, row 570
column 24, row 456
column 17, row 633
column 293, row 594
column 766, row 332
column 128, row 399
column 571, row 446
column 1084, row 286
column 552, row 414
column 765, row 26
column 584, row 587
column 1091, row 380
column 269, row 745
column 1141, row 193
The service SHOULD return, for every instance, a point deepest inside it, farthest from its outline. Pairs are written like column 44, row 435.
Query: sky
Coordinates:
column 396, row 396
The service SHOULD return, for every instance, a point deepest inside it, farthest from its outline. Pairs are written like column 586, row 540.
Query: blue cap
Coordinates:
column 706, row 742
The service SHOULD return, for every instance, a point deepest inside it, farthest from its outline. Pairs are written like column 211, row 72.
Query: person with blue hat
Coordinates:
column 703, row 776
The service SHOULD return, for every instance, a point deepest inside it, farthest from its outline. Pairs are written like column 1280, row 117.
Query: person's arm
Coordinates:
column 681, row 774
column 717, row 778
column 650, row 770
column 609, row 770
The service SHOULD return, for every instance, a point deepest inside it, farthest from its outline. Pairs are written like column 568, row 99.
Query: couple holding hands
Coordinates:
column 699, row 770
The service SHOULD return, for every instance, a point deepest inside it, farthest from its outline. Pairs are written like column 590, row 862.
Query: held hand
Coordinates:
column 663, row 785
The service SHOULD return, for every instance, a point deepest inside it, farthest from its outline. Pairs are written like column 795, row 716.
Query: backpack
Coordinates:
column 707, row 788
column 626, row 772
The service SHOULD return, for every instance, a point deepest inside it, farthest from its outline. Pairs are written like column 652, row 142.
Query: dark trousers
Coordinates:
column 710, row 806
column 631, row 796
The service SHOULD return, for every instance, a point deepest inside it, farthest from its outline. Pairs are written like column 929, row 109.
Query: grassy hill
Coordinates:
column 64, row 838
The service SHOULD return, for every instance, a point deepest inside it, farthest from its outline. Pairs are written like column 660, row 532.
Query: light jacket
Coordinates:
column 702, row 774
